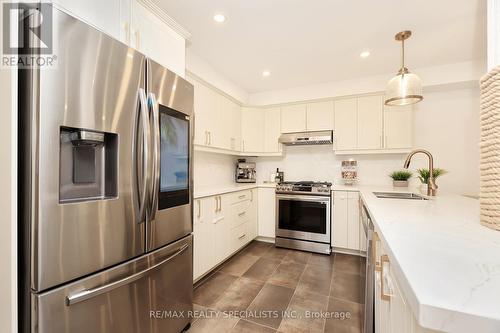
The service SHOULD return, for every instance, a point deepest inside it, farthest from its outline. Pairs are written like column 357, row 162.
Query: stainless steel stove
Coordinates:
column 303, row 216
column 305, row 187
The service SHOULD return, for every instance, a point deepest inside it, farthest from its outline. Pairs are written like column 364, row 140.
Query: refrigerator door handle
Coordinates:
column 90, row 293
column 144, row 118
column 156, row 154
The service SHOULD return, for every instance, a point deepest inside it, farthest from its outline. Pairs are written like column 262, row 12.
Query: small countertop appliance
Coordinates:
column 245, row 172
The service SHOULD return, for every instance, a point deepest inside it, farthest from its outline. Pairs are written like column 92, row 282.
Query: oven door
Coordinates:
column 303, row 217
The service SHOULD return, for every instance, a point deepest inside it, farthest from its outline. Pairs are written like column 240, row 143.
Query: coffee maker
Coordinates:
column 245, row 172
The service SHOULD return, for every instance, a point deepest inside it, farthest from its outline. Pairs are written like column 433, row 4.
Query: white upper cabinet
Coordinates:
column 205, row 104
column 153, row 37
column 364, row 125
column 252, row 130
column 136, row 25
column 234, row 119
column 398, row 127
column 319, row 116
column 293, row 118
column 103, row 15
column 370, row 120
column 346, row 131
column 272, row 130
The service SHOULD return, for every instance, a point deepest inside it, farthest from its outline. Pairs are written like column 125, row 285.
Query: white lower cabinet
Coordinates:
column 203, row 230
column 347, row 232
column 223, row 224
column 267, row 212
column 392, row 312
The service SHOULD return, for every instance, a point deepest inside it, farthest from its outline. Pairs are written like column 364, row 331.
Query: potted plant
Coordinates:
column 400, row 178
column 424, row 174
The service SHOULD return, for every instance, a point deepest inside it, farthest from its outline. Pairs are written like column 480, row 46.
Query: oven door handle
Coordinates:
column 303, row 198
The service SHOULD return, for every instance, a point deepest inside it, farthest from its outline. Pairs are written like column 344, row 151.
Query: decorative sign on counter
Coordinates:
column 349, row 171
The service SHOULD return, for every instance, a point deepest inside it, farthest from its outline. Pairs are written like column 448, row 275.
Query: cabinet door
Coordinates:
column 156, row 40
column 223, row 125
column 253, row 211
column 340, row 219
column 353, row 221
column 222, row 230
column 267, row 212
column 293, row 118
column 205, row 104
column 252, row 129
column 345, row 134
column 272, row 130
column 320, row 116
column 203, row 232
column 370, row 119
column 103, row 15
column 398, row 127
column 234, row 116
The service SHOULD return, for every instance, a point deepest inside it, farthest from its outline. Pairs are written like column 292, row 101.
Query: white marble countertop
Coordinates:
column 227, row 188
column 446, row 262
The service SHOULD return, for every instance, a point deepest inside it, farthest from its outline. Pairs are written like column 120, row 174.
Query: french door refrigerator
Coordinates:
column 105, row 176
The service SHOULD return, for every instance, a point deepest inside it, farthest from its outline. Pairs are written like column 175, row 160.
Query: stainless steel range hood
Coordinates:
column 307, row 138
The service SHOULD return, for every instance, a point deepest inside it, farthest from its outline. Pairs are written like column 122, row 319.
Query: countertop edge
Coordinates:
column 430, row 316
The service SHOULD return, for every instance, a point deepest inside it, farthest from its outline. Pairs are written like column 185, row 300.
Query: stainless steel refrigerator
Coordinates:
column 105, row 176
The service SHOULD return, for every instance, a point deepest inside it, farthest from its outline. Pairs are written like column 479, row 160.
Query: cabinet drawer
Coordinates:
column 239, row 237
column 240, row 213
column 239, row 196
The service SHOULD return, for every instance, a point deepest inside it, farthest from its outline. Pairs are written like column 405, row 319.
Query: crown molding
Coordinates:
column 162, row 15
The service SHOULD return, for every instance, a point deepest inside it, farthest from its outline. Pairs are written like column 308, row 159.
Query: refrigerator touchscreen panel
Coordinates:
column 174, row 158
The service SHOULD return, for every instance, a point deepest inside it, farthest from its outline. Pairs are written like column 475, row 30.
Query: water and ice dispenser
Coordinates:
column 88, row 165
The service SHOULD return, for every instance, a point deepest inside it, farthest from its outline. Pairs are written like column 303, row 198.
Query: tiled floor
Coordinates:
column 267, row 289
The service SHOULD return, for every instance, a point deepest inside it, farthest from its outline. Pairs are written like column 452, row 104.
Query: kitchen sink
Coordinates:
column 399, row 195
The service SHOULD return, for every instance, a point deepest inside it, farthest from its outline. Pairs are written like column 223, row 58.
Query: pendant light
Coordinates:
column 405, row 88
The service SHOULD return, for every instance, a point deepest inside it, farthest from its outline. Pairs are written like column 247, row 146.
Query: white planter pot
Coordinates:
column 400, row 183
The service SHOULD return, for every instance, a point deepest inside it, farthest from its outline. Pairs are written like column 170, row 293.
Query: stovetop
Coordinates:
column 304, row 187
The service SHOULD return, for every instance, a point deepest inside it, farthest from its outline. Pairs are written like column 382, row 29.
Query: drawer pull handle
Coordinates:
column 385, row 297
column 242, row 213
column 375, row 240
column 242, row 236
column 242, row 196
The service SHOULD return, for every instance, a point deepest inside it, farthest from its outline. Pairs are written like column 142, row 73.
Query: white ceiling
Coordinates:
column 304, row 42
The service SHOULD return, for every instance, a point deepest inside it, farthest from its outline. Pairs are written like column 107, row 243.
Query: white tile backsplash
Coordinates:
column 319, row 163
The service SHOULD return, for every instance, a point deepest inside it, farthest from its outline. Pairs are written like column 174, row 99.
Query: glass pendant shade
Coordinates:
column 403, row 89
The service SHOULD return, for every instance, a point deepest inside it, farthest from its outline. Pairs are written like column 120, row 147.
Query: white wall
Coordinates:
column 493, row 33
column 8, row 235
column 447, row 124
column 431, row 76
column 198, row 67
column 213, row 170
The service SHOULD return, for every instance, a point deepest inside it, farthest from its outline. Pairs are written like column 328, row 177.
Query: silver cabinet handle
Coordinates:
column 242, row 213
column 156, row 153
column 242, row 236
column 90, row 293
column 199, row 209
column 206, row 138
column 220, row 203
column 251, row 195
column 216, row 204
column 209, row 138
column 242, row 196
column 144, row 119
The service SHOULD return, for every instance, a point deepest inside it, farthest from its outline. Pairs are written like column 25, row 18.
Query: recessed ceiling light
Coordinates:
column 364, row 54
column 266, row 73
column 219, row 18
